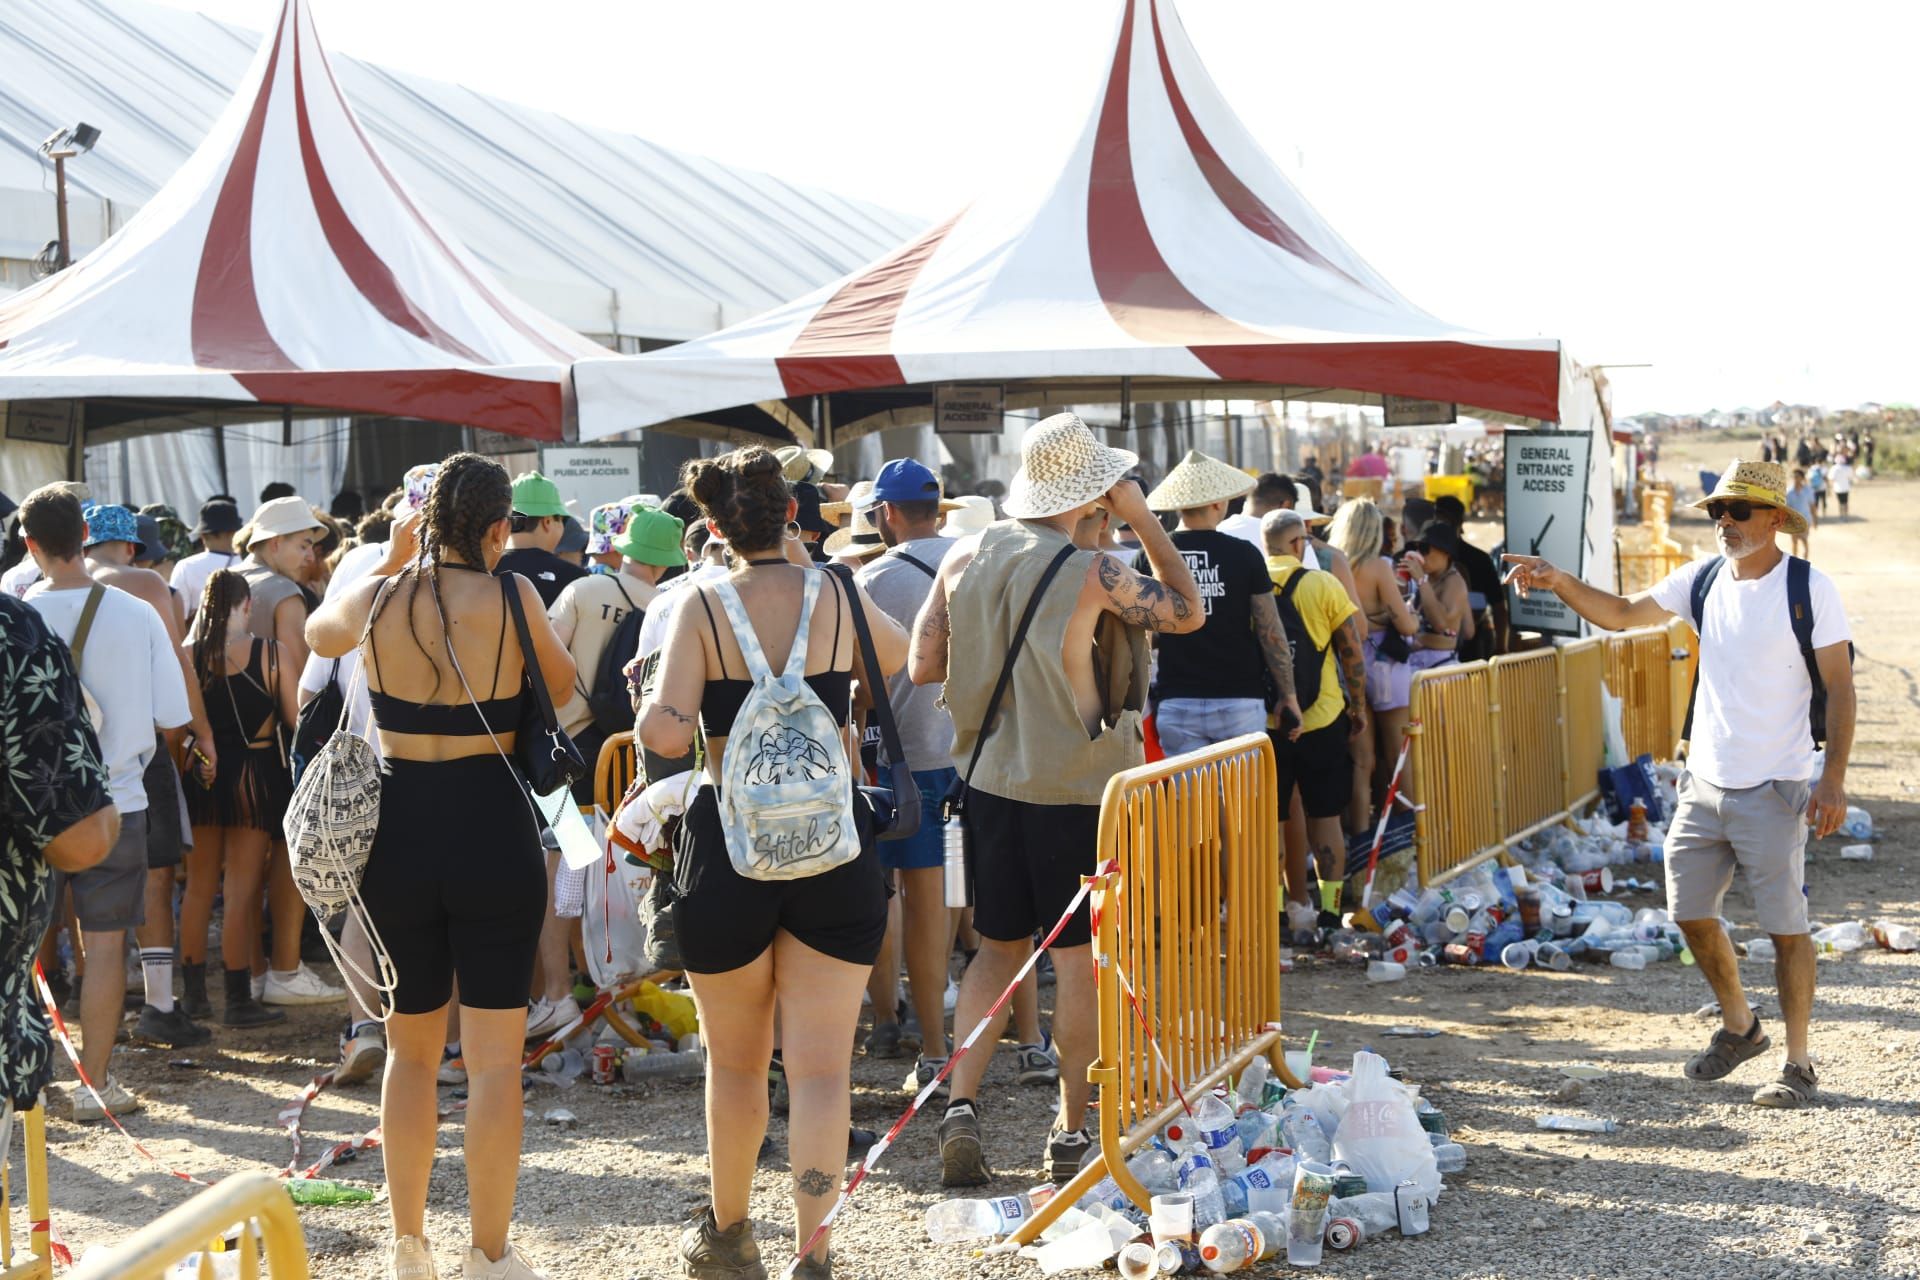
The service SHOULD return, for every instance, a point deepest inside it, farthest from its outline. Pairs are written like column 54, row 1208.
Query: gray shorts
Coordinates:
column 1760, row 830
column 112, row 894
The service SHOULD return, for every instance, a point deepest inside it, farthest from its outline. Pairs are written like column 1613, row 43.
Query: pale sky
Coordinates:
column 1726, row 192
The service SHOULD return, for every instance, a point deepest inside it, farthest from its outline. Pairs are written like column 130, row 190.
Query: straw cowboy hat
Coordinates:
column 1200, row 479
column 798, row 464
column 1764, row 483
column 859, row 538
column 972, row 513
column 1063, row 467
column 858, row 498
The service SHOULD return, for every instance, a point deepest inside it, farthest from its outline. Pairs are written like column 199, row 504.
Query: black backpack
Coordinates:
column 1306, row 678
column 1800, row 614
column 609, row 700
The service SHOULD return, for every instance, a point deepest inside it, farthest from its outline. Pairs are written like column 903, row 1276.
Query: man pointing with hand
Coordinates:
column 1748, row 795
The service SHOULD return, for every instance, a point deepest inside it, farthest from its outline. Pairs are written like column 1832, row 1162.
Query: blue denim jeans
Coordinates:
column 1188, row 724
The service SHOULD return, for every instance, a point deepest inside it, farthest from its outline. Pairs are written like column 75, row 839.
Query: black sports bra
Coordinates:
column 450, row 719
column 721, row 700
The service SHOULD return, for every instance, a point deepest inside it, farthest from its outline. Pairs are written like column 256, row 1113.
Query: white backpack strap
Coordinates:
column 797, row 660
column 743, row 634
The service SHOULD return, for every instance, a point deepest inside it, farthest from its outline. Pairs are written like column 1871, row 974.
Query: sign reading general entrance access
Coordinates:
column 1547, row 516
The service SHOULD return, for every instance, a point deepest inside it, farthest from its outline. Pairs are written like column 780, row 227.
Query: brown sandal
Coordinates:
column 1795, row 1088
column 1727, row 1051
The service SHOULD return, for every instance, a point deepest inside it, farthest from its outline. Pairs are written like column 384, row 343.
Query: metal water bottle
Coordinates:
column 954, row 864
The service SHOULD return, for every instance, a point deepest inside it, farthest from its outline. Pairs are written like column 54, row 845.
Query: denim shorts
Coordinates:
column 1190, row 724
column 926, row 847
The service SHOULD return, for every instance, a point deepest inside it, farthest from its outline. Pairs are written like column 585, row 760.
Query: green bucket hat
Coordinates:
column 652, row 537
column 535, row 495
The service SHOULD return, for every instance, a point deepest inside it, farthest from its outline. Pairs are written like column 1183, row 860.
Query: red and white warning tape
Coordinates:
column 879, row 1148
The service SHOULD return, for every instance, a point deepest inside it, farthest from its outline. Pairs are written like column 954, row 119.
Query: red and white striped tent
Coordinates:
column 1166, row 251
column 284, row 266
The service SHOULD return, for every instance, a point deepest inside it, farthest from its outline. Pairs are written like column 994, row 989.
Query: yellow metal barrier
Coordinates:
column 1532, row 742
column 1190, row 923
column 245, row 1201
column 1583, row 666
column 38, row 1264
column 1454, row 725
column 1639, row 673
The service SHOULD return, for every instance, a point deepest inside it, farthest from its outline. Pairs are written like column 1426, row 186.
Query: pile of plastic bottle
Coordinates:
column 1253, row 1171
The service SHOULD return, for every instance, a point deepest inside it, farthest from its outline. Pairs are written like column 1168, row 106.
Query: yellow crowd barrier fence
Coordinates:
column 1187, row 925
column 38, row 1262
column 249, row 1213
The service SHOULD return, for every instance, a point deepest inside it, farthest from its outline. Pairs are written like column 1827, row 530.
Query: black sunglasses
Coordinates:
column 1740, row 509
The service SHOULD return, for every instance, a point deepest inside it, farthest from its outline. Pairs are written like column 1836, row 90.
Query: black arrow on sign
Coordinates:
column 1541, row 536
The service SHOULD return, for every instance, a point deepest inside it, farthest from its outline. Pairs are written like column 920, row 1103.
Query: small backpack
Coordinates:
column 1309, row 660
column 786, row 789
column 610, row 701
column 1799, row 615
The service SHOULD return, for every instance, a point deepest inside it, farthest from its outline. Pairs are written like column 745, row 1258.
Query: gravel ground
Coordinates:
column 1694, row 1170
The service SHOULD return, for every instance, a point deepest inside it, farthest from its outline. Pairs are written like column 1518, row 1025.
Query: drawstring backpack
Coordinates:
column 786, row 791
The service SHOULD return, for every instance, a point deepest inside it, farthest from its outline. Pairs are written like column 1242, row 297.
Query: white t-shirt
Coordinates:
column 1750, row 716
column 190, row 575
column 595, row 607
column 353, row 566
column 653, row 631
column 1841, row 477
column 1247, row 529
column 131, row 671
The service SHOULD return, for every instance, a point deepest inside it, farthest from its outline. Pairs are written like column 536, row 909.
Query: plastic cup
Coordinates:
column 1170, row 1217
column 1307, row 1220
column 1385, row 971
column 1299, row 1063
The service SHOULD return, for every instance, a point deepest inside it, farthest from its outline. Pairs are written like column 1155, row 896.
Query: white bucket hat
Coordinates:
column 859, row 538
column 1200, row 479
column 281, row 517
column 1062, row 467
column 972, row 515
column 1303, row 503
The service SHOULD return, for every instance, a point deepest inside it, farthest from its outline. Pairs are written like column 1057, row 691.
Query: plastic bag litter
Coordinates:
column 611, row 932
column 1326, row 1103
column 1380, row 1135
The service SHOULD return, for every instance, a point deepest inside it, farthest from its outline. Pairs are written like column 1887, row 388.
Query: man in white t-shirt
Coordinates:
column 1840, row 480
column 1748, row 794
column 126, row 664
column 219, row 521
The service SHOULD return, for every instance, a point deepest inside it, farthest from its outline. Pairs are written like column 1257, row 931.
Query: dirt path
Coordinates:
column 1695, row 1174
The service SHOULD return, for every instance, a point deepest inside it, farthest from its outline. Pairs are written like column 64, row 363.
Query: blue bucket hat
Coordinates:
column 109, row 523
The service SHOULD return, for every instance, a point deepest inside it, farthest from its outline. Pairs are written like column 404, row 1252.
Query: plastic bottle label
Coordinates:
column 1009, row 1209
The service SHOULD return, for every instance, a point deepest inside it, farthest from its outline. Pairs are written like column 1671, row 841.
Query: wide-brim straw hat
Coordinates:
column 971, row 514
column 1764, row 483
column 858, row 498
column 859, row 538
column 1063, row 467
column 799, row 464
column 1200, row 479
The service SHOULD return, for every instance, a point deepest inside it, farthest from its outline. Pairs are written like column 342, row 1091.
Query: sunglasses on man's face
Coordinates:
column 1741, row 511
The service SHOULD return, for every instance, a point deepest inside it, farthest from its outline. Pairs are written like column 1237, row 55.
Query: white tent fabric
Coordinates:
column 284, row 264
column 181, row 468
column 1165, row 245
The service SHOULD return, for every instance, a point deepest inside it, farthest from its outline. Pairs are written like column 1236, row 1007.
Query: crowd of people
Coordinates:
column 1025, row 655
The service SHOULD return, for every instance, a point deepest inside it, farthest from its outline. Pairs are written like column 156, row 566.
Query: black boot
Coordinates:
column 242, row 1009
column 193, row 988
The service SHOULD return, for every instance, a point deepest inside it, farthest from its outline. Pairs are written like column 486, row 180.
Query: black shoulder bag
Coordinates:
column 546, row 754
column 895, row 810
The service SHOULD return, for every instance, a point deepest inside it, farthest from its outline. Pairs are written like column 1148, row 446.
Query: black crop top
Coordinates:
column 450, row 719
column 722, row 699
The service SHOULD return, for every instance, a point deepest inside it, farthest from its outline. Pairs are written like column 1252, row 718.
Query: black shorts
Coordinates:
column 167, row 829
column 1026, row 861
column 724, row 920
column 1321, row 765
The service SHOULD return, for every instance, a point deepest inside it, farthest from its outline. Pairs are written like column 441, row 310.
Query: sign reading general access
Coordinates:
column 592, row 475
column 1547, row 475
column 970, row 407
column 1402, row 411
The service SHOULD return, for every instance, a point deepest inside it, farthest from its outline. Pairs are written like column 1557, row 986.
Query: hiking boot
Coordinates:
column 114, row 1100
column 172, row 1029
column 962, row 1161
column 193, row 991
column 924, row 1070
column 708, row 1253
column 243, row 1010
column 812, row 1268
column 1067, row 1150
column 302, row 986
column 884, row 1041
column 1035, row 1064
column 361, row 1056
column 411, row 1258
column 511, row 1266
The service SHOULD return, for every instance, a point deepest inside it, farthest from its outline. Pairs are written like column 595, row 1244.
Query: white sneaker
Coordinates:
column 303, row 987
column 453, row 1069
column 547, row 1016
column 952, row 997
column 411, row 1258
column 510, row 1267
column 118, row 1101
column 361, row 1058
column 259, row 984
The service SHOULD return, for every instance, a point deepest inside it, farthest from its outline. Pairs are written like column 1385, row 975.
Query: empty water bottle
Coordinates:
column 1274, row 1171
column 1628, row 958
column 325, row 1191
column 1200, row 1179
column 1210, row 1127
column 1241, row 1242
column 1300, row 1131
column 954, row 1221
column 1375, row 1211
column 1450, row 1157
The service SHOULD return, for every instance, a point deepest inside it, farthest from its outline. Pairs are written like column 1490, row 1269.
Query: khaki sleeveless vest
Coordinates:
column 269, row 589
column 1039, row 751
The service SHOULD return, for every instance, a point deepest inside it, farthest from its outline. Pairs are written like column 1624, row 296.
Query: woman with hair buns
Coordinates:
column 802, row 948
column 456, row 882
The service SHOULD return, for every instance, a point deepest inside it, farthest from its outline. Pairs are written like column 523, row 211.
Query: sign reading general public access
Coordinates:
column 970, row 407
column 592, row 475
column 1547, row 475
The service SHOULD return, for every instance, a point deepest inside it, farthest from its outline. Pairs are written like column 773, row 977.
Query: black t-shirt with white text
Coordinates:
column 1222, row 659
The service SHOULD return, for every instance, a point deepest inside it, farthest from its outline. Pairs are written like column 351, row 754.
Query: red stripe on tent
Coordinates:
column 1522, row 382
column 228, row 330
column 1253, row 212
column 849, row 339
column 517, row 406
column 372, row 277
column 505, row 310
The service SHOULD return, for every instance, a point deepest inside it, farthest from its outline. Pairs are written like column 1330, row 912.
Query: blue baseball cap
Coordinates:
column 109, row 523
column 908, row 480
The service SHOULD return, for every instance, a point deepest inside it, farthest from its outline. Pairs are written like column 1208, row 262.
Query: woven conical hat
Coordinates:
column 1761, row 482
column 1197, row 481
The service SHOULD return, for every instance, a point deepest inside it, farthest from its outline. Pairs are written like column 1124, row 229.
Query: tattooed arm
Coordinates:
column 1352, row 658
column 932, row 630
column 1277, row 653
column 1170, row 599
column 671, row 713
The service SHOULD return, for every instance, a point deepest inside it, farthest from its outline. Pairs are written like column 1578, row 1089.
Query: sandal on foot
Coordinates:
column 1727, row 1051
column 1794, row 1088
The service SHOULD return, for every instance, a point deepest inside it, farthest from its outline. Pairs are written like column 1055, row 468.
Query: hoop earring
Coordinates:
column 793, row 529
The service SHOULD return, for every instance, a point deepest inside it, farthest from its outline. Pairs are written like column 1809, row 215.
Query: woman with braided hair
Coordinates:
column 456, row 882
column 249, row 698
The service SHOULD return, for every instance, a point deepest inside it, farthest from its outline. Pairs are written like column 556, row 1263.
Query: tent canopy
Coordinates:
column 285, row 267
column 1164, row 257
